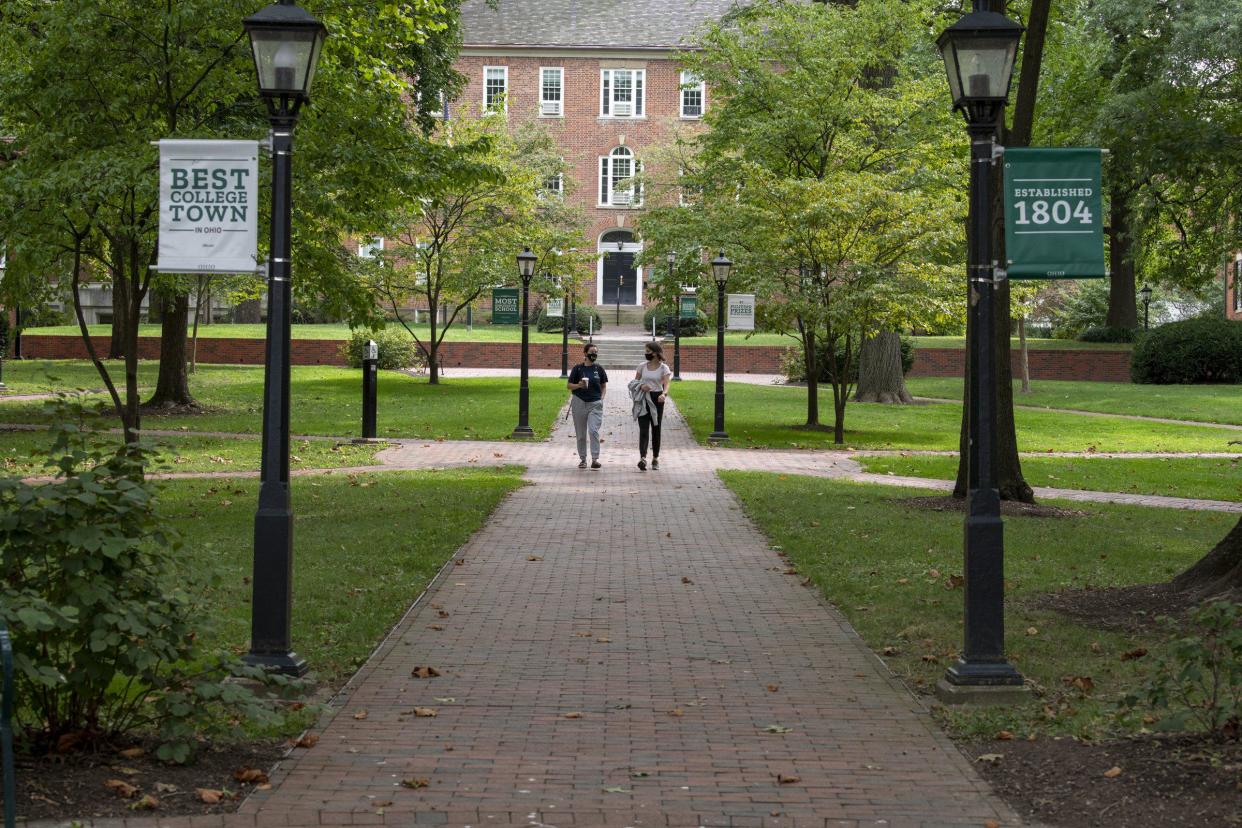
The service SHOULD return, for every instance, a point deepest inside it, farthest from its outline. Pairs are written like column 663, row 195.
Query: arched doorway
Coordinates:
column 618, row 281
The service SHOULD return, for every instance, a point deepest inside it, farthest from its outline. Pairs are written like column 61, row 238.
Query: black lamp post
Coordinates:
column 979, row 52
column 720, row 272
column 564, row 328
column 1146, row 291
column 526, row 269
column 286, row 41
column 620, row 280
column 672, row 259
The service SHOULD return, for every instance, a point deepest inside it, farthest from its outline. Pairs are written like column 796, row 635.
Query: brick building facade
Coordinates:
column 602, row 77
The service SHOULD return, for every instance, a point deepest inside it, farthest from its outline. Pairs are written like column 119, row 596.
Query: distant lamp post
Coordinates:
column 620, row 280
column 562, row 281
column 526, row 269
column 979, row 51
column 672, row 259
column 286, row 41
column 1146, row 291
column 720, row 272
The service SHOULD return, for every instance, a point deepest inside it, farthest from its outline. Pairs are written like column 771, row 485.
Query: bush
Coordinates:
column 583, row 314
column 1199, row 682
column 1104, row 333
column 689, row 327
column 397, row 350
column 1190, row 351
column 794, row 367
column 94, row 589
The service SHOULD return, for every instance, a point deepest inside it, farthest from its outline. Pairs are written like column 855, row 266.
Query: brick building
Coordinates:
column 603, row 78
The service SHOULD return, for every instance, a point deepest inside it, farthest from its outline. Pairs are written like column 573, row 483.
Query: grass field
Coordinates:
column 327, row 401
column 365, row 548
column 194, row 454
column 1205, row 403
column 887, row 566
column 1211, row 479
column 768, row 416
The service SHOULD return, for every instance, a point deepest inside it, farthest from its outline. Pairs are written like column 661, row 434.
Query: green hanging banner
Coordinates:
column 689, row 306
column 1054, row 227
column 505, row 310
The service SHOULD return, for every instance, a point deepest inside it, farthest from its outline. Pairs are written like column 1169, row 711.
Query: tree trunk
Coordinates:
column 198, row 309
column 1122, row 307
column 1026, row 364
column 172, row 387
column 120, row 314
column 249, row 312
column 811, row 362
column 1218, row 572
column 433, row 349
column 880, row 378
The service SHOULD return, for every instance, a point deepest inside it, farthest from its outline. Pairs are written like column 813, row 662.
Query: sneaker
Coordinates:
column 642, row 464
column 595, row 464
column 655, row 464
column 582, row 465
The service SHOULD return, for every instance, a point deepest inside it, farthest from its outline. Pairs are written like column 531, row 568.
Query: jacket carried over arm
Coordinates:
column 642, row 402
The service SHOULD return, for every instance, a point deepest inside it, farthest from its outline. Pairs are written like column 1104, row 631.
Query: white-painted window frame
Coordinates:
column 691, row 85
column 504, row 94
column 560, row 92
column 607, row 194
column 608, row 93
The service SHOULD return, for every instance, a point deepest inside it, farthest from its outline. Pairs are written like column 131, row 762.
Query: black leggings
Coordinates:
column 645, row 425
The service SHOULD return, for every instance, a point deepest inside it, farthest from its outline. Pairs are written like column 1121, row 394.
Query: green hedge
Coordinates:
column 689, row 327
column 1105, row 333
column 1190, row 351
column 583, row 314
column 396, row 349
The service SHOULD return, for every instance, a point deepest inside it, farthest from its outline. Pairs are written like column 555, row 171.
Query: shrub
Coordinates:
column 1190, row 351
column 793, row 366
column 1105, row 333
column 94, row 589
column 1199, row 681
column 397, row 350
column 582, row 313
column 689, row 327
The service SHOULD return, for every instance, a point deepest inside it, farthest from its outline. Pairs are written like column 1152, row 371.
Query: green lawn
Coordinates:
column 195, row 454
column 886, row 567
column 767, row 416
column 328, row 401
column 1212, row 479
column 1205, row 403
column 365, row 546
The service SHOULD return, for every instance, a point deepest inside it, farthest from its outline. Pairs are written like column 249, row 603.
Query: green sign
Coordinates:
column 689, row 307
column 505, row 310
column 1054, row 225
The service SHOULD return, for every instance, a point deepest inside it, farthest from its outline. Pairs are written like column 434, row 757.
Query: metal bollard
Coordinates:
column 370, row 368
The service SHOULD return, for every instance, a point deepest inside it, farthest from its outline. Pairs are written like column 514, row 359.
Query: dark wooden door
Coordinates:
column 620, row 276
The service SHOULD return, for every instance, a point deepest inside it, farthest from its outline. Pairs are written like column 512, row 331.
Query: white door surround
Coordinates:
column 603, row 248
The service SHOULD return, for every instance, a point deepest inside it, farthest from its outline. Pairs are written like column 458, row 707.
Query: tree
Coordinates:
column 832, row 192
column 880, row 376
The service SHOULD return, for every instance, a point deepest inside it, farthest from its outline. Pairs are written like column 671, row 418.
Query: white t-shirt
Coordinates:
column 653, row 380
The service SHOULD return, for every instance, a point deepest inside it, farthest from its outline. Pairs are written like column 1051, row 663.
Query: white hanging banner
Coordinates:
column 556, row 308
column 208, row 206
column 741, row 312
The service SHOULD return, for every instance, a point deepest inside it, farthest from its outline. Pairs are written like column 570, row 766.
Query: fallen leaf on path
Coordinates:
column 208, row 796
column 573, row 715
column 121, row 788
column 616, row 790
column 772, row 688
column 442, row 613
column 424, row 672
column 425, row 712
column 603, row 640
column 686, row 580
column 991, row 757
column 436, row 627
column 677, row 712
column 446, row 699
column 991, row 823
column 534, row 557
column 416, row 783
column 584, row 634
column 360, row 715
column 251, row 776
column 787, row 779
column 775, row 728
column 309, row 740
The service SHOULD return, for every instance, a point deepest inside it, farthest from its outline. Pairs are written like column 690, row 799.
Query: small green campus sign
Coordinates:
column 505, row 310
column 1054, row 226
column 689, row 307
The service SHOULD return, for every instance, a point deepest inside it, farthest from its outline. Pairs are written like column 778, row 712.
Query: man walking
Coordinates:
column 589, row 384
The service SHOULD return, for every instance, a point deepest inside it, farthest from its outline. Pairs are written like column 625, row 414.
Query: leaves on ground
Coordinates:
column 209, row 796
column 308, row 740
column 251, row 776
column 617, row 790
column 360, row 715
column 775, row 728
column 573, row 715
column 425, row 712
column 424, row 672
column 416, row 782
column 121, row 788
column 1112, row 773
column 787, row 779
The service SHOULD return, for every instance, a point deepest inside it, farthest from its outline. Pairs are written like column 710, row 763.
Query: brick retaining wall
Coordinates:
column 1096, row 365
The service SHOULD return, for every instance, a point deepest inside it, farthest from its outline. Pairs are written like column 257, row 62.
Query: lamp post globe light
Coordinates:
column 720, row 272
column 672, row 259
column 1146, row 292
column 526, row 269
column 979, row 52
column 286, row 41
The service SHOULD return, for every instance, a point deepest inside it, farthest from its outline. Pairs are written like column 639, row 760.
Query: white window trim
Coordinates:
column 681, row 97
column 603, row 248
column 636, row 191
column 504, row 95
column 368, row 249
column 639, row 78
column 560, row 102
column 559, row 192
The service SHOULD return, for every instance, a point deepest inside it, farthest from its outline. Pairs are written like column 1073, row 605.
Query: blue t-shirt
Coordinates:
column 598, row 378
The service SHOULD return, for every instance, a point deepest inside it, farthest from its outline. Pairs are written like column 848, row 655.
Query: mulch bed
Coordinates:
column 73, row 785
column 1164, row 782
column 1009, row 508
column 1126, row 609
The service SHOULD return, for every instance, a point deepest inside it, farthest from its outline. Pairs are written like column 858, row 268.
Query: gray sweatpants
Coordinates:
column 588, row 417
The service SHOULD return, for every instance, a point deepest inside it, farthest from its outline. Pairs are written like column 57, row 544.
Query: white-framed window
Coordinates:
column 551, row 91
column 693, row 98
column 553, row 185
column 496, row 87
column 615, row 170
column 687, row 193
column 621, row 93
column 368, row 248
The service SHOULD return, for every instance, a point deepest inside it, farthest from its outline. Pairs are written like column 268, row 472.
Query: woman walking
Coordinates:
column 652, row 378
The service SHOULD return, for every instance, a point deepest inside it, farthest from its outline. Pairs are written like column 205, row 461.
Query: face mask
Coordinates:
column 650, row 356
column 592, row 357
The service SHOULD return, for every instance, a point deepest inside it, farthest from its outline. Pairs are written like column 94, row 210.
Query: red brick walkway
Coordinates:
column 621, row 648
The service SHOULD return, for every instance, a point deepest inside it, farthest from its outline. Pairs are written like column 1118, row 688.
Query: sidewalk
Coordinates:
column 622, row 648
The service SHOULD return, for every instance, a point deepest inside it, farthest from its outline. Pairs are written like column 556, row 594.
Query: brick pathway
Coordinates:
column 623, row 677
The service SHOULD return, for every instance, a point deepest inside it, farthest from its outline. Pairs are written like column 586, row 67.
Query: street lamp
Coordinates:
column 979, row 51
column 720, row 272
column 562, row 281
column 286, row 41
column 620, row 280
column 1146, row 291
column 672, row 259
column 526, row 269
